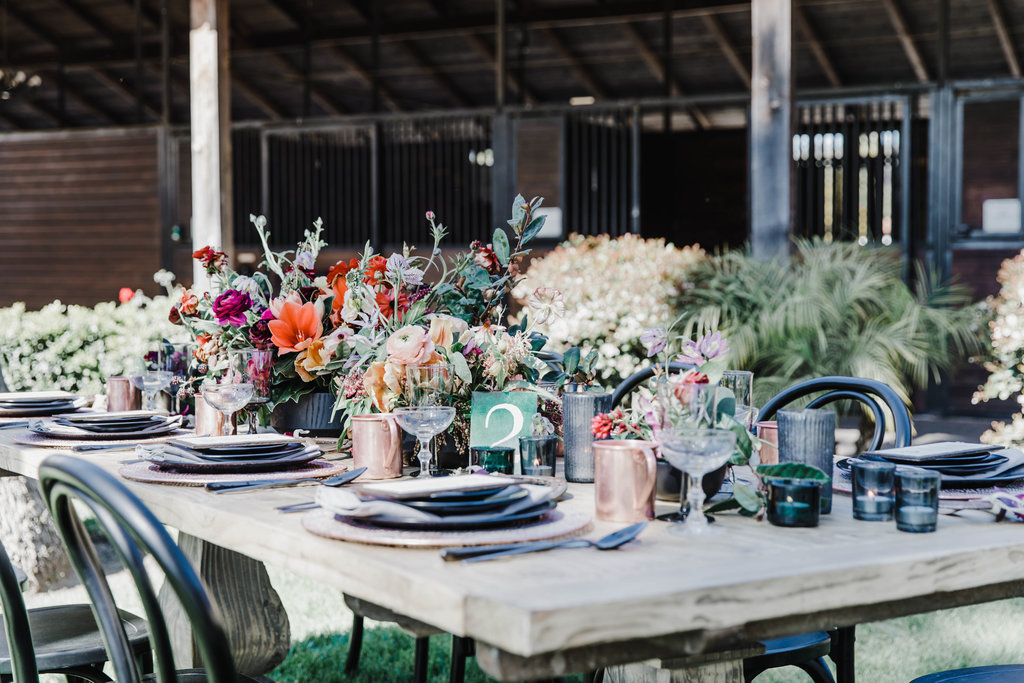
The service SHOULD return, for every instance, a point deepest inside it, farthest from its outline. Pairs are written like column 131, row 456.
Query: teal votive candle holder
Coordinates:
column 917, row 500
column 794, row 502
column 537, row 454
column 873, row 483
column 493, row 458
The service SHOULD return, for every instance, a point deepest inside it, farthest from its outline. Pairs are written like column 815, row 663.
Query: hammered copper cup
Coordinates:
column 625, row 480
column 377, row 445
column 122, row 395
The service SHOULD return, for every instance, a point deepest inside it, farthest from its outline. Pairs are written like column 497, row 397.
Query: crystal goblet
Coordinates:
column 424, row 422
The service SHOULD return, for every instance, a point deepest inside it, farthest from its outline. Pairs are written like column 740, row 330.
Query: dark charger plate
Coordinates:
column 498, row 501
column 460, row 523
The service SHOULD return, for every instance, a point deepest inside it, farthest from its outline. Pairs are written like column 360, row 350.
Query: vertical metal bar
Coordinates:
column 634, row 169
column 666, row 67
column 958, row 164
column 166, row 93
column 375, row 52
column 623, row 166
column 307, row 70
column 265, row 171
column 139, row 72
column 501, row 49
column 375, row 182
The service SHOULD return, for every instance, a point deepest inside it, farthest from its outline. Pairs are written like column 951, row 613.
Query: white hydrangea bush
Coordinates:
column 613, row 289
column 1005, row 366
column 76, row 348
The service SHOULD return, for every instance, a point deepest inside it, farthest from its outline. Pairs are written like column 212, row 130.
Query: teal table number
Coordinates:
column 499, row 418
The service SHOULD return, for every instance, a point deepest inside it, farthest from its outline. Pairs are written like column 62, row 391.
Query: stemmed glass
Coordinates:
column 689, row 442
column 150, row 376
column 258, row 365
column 228, row 390
column 429, row 389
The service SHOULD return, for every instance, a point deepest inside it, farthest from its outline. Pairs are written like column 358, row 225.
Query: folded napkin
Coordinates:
column 63, row 428
column 168, row 454
column 347, row 503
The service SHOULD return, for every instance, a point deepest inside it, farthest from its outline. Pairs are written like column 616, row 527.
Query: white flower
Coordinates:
column 164, row 278
column 244, row 283
column 305, row 260
column 399, row 268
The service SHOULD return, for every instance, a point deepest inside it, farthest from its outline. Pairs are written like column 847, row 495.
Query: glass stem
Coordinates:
column 696, row 498
column 424, row 456
column 684, row 495
column 229, row 425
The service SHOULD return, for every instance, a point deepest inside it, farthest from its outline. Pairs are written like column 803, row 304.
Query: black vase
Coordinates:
column 670, row 482
column 311, row 413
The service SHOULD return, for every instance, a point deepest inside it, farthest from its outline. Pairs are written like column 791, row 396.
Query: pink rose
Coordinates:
column 410, row 345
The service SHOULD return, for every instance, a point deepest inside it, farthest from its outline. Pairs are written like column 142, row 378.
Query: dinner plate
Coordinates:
column 240, row 466
column 109, row 418
column 457, row 522
column 933, row 451
column 42, row 411
column 437, row 488
column 252, row 449
column 57, row 431
column 497, row 501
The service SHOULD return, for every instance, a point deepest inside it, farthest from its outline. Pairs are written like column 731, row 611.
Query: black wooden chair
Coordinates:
column 62, row 639
column 626, row 386
column 133, row 530
column 808, row 651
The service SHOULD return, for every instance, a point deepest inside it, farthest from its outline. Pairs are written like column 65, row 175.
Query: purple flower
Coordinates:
column 399, row 268
column 654, row 340
column 708, row 347
column 229, row 308
column 260, row 336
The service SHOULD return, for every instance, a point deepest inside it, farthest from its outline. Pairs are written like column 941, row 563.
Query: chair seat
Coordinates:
column 65, row 636
column 1010, row 673
column 788, row 651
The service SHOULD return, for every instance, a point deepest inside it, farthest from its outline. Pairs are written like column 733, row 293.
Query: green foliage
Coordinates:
column 792, row 470
column 836, row 309
column 76, row 348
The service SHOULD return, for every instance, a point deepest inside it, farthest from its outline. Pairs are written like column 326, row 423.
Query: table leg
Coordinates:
column 253, row 614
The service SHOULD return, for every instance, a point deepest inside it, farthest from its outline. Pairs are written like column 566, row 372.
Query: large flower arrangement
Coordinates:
column 613, row 289
column 357, row 328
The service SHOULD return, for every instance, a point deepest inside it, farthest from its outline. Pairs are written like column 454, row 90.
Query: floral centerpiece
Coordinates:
column 354, row 330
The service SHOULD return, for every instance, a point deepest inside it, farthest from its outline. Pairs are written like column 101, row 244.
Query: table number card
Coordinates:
column 499, row 418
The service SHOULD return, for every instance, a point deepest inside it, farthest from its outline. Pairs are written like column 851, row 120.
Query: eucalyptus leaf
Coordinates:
column 517, row 213
column 748, row 498
column 500, row 245
column 723, row 505
column 571, row 360
column 792, row 470
column 532, row 230
column 461, row 367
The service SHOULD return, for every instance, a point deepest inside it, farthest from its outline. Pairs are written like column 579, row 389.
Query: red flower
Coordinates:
column 375, row 270
column 601, row 426
column 214, row 261
column 341, row 269
column 488, row 260
column 386, row 303
column 125, row 294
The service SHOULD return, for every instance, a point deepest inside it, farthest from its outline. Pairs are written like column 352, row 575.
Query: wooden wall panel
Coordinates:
column 79, row 216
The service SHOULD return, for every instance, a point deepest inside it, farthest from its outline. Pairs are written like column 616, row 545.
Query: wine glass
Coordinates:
column 150, row 376
column 697, row 452
column 425, row 422
column 428, row 385
column 228, row 390
column 258, row 365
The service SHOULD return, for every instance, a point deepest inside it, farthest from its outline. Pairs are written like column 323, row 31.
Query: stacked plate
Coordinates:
column 225, row 454
column 962, row 465
column 469, row 502
column 135, row 424
column 38, row 403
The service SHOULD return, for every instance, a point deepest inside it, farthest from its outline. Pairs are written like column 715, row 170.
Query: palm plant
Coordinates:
column 836, row 309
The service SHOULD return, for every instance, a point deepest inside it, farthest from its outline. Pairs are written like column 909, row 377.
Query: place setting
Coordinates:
column 16, row 404
column 237, row 459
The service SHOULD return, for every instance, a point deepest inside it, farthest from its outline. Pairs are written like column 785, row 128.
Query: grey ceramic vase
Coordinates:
column 809, row 436
column 578, row 408
column 311, row 412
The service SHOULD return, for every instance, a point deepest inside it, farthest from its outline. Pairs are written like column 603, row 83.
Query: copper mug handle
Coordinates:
column 395, row 456
column 646, row 498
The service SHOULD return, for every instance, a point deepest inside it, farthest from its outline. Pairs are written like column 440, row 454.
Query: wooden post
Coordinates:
column 771, row 129
column 210, row 87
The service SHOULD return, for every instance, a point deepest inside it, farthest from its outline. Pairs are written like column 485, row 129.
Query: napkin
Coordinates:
column 347, row 503
column 169, row 454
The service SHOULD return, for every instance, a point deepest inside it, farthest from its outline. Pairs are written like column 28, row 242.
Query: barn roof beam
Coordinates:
column 803, row 23
column 1005, row 37
column 899, row 24
column 655, row 66
column 725, row 44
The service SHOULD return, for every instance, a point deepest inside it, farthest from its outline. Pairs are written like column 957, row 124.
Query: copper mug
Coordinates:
column 122, row 395
column 377, row 445
column 625, row 480
column 768, row 431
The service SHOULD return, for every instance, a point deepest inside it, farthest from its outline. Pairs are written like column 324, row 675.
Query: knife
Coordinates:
column 249, row 484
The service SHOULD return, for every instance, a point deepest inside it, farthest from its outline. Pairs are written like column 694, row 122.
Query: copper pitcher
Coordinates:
column 625, row 480
column 377, row 445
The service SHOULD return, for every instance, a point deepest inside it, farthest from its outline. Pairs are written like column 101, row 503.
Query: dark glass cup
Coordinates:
column 794, row 502
column 493, row 459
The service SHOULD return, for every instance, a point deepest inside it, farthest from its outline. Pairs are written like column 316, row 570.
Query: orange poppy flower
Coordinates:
column 341, row 269
column 297, row 326
column 375, row 270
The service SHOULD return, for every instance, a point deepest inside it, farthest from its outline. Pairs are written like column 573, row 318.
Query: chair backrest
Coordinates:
column 640, row 376
column 19, row 635
column 132, row 530
column 837, row 388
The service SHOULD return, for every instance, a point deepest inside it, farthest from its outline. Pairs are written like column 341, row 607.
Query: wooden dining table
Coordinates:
column 663, row 602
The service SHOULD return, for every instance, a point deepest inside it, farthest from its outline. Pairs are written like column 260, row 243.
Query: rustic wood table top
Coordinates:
column 662, row 595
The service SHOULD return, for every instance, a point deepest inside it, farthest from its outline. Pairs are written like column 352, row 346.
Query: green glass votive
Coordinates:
column 494, row 458
column 537, row 454
column 917, row 500
column 872, row 489
column 794, row 502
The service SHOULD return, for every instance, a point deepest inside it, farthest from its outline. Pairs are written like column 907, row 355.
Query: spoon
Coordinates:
column 249, row 485
column 491, row 552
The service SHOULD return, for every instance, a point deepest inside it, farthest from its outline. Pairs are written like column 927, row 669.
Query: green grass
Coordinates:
column 892, row 651
column 387, row 655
